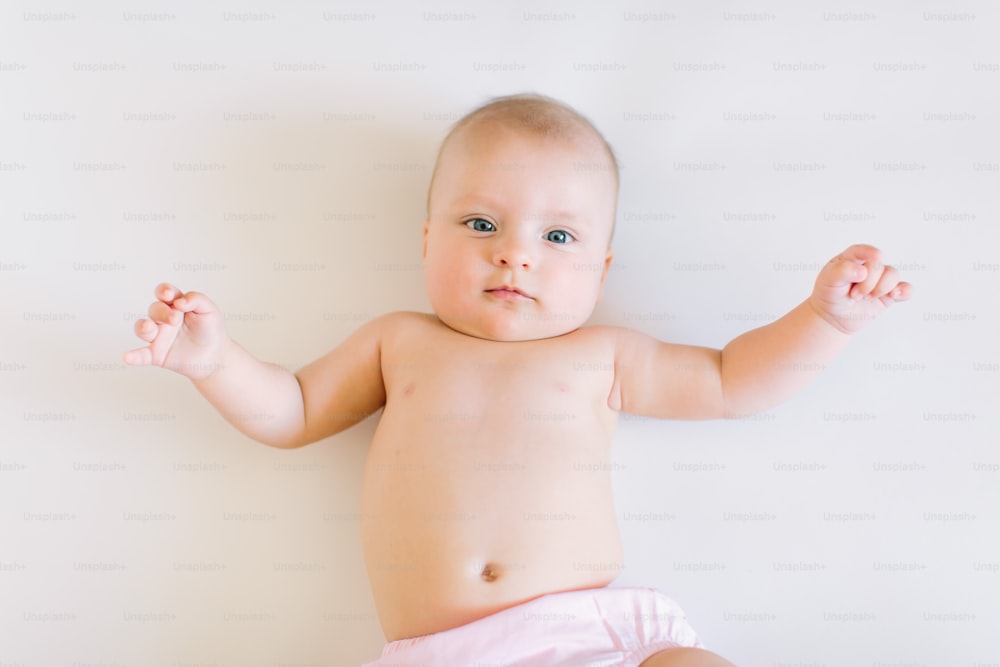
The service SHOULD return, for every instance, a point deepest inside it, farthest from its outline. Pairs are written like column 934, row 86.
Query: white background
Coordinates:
column 276, row 156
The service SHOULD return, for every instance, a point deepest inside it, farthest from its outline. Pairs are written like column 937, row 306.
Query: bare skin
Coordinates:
column 686, row 657
column 487, row 480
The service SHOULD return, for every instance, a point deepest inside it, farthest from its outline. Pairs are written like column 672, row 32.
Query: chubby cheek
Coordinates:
column 447, row 271
column 583, row 286
column 439, row 281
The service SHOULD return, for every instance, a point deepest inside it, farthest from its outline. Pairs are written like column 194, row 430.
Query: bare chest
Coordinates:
column 444, row 377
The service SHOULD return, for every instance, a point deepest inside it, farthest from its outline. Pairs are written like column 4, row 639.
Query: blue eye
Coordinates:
column 480, row 225
column 558, row 236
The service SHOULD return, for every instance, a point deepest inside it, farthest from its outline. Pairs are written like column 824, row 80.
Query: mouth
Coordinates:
column 508, row 292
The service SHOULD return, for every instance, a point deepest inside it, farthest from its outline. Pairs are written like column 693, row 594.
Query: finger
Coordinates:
column 871, row 258
column 167, row 293
column 146, row 330
column 161, row 313
column 195, row 302
column 886, row 283
column 141, row 356
column 862, row 253
column 900, row 292
column 875, row 267
column 843, row 272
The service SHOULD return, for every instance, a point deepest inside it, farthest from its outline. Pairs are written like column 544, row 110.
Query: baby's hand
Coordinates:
column 186, row 334
column 855, row 286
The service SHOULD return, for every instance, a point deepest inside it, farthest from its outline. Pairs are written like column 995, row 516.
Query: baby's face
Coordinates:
column 516, row 245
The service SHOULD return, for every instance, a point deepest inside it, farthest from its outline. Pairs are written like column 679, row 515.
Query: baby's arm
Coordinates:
column 186, row 334
column 763, row 367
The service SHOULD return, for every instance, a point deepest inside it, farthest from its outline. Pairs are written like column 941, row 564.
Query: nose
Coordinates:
column 513, row 252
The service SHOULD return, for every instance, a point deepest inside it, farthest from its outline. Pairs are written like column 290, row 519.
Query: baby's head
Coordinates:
column 520, row 214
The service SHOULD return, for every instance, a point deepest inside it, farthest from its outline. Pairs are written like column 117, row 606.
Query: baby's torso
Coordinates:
column 487, row 483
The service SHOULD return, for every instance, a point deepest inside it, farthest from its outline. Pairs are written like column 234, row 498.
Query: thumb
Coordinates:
column 841, row 272
column 141, row 356
column 195, row 302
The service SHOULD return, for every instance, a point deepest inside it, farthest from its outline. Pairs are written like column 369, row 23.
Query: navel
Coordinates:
column 490, row 572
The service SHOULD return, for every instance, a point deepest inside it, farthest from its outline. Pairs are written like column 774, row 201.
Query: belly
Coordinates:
column 464, row 524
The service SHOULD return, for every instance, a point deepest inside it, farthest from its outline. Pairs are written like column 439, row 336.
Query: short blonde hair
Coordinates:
column 535, row 114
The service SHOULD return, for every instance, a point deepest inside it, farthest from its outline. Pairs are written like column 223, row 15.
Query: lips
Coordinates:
column 508, row 292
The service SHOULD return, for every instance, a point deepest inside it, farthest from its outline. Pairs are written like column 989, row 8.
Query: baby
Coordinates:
column 499, row 407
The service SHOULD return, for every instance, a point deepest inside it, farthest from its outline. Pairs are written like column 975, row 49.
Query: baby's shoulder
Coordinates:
column 616, row 341
column 406, row 318
column 404, row 328
column 600, row 334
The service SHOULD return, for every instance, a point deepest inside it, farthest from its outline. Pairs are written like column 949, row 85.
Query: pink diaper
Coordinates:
column 596, row 627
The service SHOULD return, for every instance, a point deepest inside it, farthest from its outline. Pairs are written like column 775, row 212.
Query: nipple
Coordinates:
column 490, row 572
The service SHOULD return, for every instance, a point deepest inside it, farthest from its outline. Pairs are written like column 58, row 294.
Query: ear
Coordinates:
column 423, row 253
column 604, row 272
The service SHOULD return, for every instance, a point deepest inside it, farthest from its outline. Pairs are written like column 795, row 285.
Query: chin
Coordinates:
column 510, row 331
